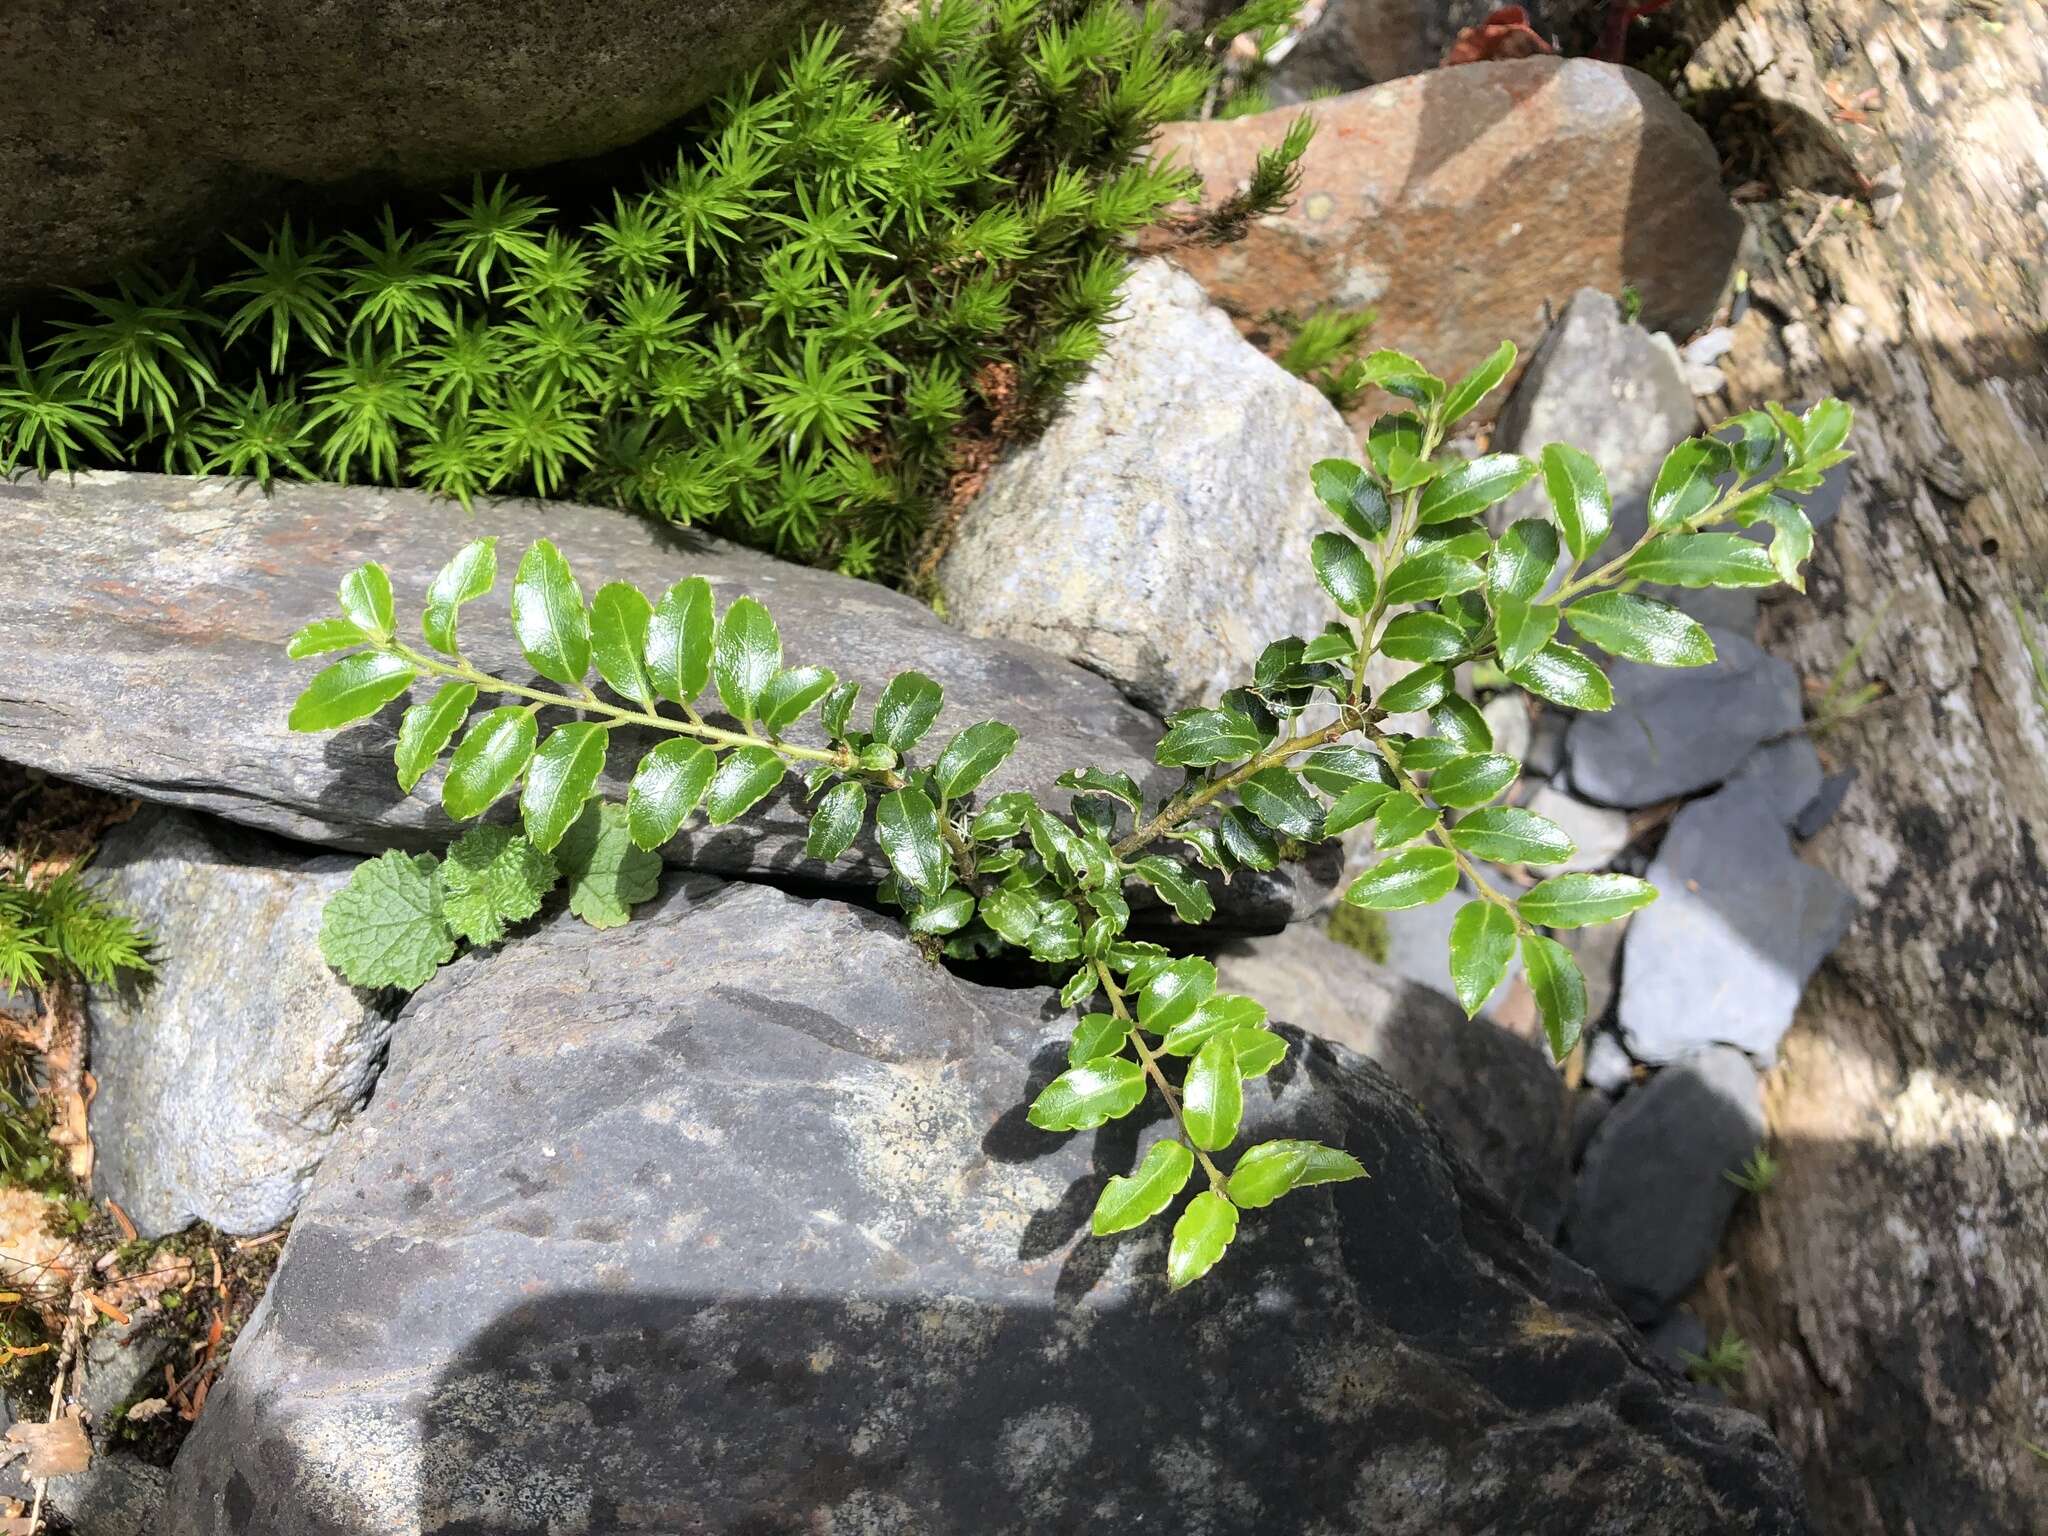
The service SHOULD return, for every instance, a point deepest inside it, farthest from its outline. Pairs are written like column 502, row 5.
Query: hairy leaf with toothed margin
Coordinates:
column 491, row 879
column 366, row 600
column 471, row 573
column 745, row 657
column 1482, row 944
column 352, row 689
column 1196, row 738
column 666, row 787
column 547, row 615
column 1580, row 900
column 679, row 640
column 1578, row 495
column 837, row 821
column 744, row 777
column 1344, row 571
column 427, row 728
column 322, row 636
column 1272, row 1168
column 559, row 779
column 607, row 875
column 1131, row 1202
column 1212, row 1095
column 1352, row 496
column 493, row 753
column 1565, row 676
column 1641, row 629
column 907, row 823
column 1200, row 1236
column 1470, row 488
column 619, row 616
column 1092, row 1094
column 971, row 756
column 1465, row 782
column 906, row 710
column 385, row 928
column 1560, row 991
column 1412, row 878
column 1507, row 834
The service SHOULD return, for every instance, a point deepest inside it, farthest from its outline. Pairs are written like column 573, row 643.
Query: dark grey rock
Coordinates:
column 118, row 1495
column 1597, row 948
column 729, row 1220
column 1834, row 789
column 1589, row 1112
column 1675, row 730
column 1741, row 923
column 139, row 608
column 1547, row 732
column 1782, row 776
column 1679, row 1335
column 121, row 1360
column 1651, row 1201
column 1496, row 1094
column 1158, row 531
column 224, row 1078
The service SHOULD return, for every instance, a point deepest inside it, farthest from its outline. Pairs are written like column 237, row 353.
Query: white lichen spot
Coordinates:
column 1042, row 1447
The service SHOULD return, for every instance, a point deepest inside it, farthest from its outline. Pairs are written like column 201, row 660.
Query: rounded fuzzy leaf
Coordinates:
column 1171, row 994
column 679, row 638
column 494, row 752
column 1467, row 489
column 322, row 636
column 971, row 756
column 1685, row 482
column 1507, row 834
column 1523, row 559
column 1352, row 496
column 427, row 728
column 837, row 821
column 907, row 823
column 1578, row 495
column 1203, row 1232
column 559, row 779
column 1421, row 689
column 1423, row 637
column 354, row 688
column 1580, row 900
column 1482, row 944
column 366, row 600
column 491, row 879
column 906, row 710
column 1641, row 629
column 385, row 928
column 1344, row 571
column 469, row 575
column 742, row 779
column 666, row 787
column 1478, row 384
column 1705, row 560
column 548, row 618
column 619, row 617
column 1412, row 878
column 1098, row 1034
column 1565, row 676
column 1560, row 991
column 793, row 691
column 1468, row 781
column 1212, row 1096
column 1092, row 1094
column 607, row 875
column 746, row 657
column 1131, row 1202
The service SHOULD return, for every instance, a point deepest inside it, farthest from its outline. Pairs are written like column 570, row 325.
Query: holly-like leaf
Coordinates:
column 971, row 756
column 1345, row 572
column 353, row 688
column 1401, row 819
column 741, row 781
column 469, row 575
column 790, row 693
column 1222, row 1014
column 1259, row 1051
column 1523, row 559
column 745, row 657
column 1685, row 482
column 1092, row 1094
column 1337, row 767
column 1459, row 724
column 1703, row 560
column 1098, row 1034
column 1468, row 489
column 947, row 912
column 1641, row 629
column 907, row 823
column 837, row 821
column 1465, row 782
column 1423, row 688
column 1196, row 738
column 547, row 615
column 1131, row 1202
column 1189, row 898
column 679, row 641
column 1412, row 878
column 493, row 878
column 607, row 875
column 1578, row 495
column 619, row 619
column 493, row 753
column 1560, row 991
column 322, row 636
column 906, row 710
column 1565, row 676
column 1355, row 807
column 1580, row 900
column 1432, row 574
column 1521, row 629
column 1423, row 637
column 1283, row 803
column 1273, row 1168
column 427, row 728
column 366, row 600
column 1172, row 993
column 385, row 928
column 1203, row 1232
column 666, row 787
column 1507, row 834
column 1353, row 496
column 1482, row 944
column 1478, row 384
column 1791, row 539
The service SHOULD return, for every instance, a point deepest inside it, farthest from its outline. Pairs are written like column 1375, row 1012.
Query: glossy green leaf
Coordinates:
column 619, row 617
column 1336, row 767
column 366, row 600
column 1565, row 676
column 1258, row 1050
column 837, row 709
column 1399, row 374
column 1172, row 993
column 1432, row 574
column 322, row 636
column 1393, row 438
column 385, row 927
column 745, row 777
column 1791, row 538
column 1195, row 738
column 947, row 912
column 1578, row 495
column 1131, row 1202
column 1467, row 489
column 1523, row 559
column 1212, row 1095
column 1424, row 754
column 1273, row 1168
column 1282, row 802
column 1401, row 818
column 1827, row 426
column 1345, row 572
column 1352, row 496
column 1685, row 482
column 353, row 688
column 1560, row 991
column 1189, row 898
column 745, row 657
column 790, row 693
column 1507, row 834
column 427, row 728
column 493, row 753
column 1580, row 900
column 837, row 821
column 971, row 756
column 1421, row 689
column 1412, row 878
column 1468, row 781
column 1098, row 1034
column 907, row 823
column 666, row 787
column 547, row 616
column 1121, row 786
column 1478, row 384
column 1482, row 945
column 1423, row 637
column 1640, row 629
column 607, row 875
column 1521, row 630
column 679, row 641
column 1248, row 841
column 1221, row 1014
column 559, row 779
column 1354, row 807
column 1456, row 720
column 906, row 710
column 1200, row 1237
column 469, row 575
column 1703, row 560
column 1004, row 816
column 1092, row 1094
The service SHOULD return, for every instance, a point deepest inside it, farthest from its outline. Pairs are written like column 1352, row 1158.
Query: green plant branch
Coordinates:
column 1441, row 834
column 1179, row 809
column 1149, row 1060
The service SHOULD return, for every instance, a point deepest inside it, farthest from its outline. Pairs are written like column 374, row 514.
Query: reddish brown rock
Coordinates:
column 1467, row 204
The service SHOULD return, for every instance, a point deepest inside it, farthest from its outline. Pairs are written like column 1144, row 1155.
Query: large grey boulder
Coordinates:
column 1498, row 1099
column 1158, row 532
column 130, row 130
column 729, row 1220
column 223, row 1079
column 144, row 620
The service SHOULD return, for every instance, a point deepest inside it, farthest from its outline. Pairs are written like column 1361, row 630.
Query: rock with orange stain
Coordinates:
column 1468, row 205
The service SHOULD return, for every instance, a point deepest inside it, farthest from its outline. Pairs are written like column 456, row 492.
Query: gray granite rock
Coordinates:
column 224, row 1078
column 1507, row 716
column 1600, row 832
column 751, row 1235
column 1675, row 730
column 1496, row 1095
column 1651, row 1199
column 1741, row 923
column 144, row 618
column 1158, row 532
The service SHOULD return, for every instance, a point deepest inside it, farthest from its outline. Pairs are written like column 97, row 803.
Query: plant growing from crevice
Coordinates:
column 1302, row 751
column 1722, row 1366
column 1758, row 1174
column 56, row 927
column 789, row 334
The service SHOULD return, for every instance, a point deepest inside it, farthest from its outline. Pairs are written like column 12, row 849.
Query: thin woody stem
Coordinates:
column 1149, row 1060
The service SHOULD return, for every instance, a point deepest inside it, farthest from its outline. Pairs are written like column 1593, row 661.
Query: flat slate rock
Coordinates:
column 144, row 620
column 729, row 1221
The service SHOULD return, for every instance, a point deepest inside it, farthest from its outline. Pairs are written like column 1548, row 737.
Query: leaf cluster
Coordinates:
column 57, row 925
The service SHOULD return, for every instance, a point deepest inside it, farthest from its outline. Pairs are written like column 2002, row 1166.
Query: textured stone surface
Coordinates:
column 1497, row 1097
column 1158, row 532
column 1469, row 205
column 129, row 130
column 222, row 1080
column 1675, row 730
column 1651, row 1200
column 1783, row 778
column 1740, row 926
column 1600, row 833
column 753, row 1237
column 1352, row 43
column 138, row 607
